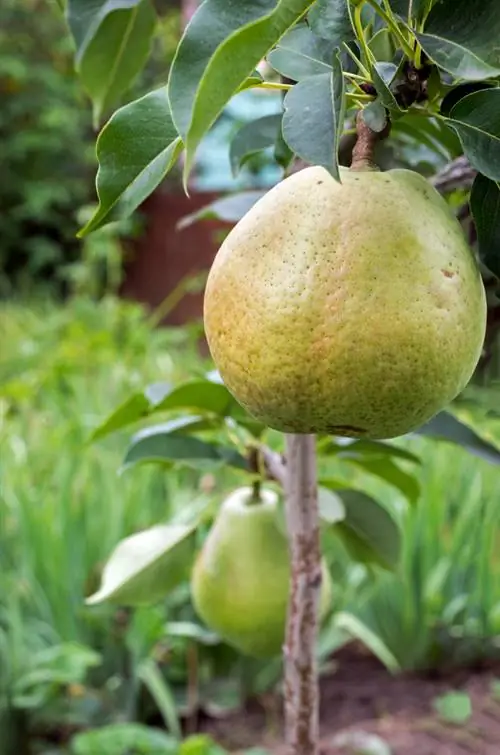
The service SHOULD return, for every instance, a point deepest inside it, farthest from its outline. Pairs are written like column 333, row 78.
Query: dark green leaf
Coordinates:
column 331, row 20
column 314, row 118
column 444, row 426
column 146, row 566
column 383, row 76
column 211, row 25
column 368, row 531
column 282, row 152
column 135, row 149
column 230, row 209
column 375, row 116
column 475, row 119
column 300, row 54
column 253, row 137
column 485, row 207
column 459, row 92
column 236, row 37
column 461, row 37
column 167, row 447
column 113, row 43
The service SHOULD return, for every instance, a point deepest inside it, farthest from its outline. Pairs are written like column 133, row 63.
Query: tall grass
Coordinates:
column 63, row 506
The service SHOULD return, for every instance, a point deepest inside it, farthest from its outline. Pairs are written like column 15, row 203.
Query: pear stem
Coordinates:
column 363, row 151
column 301, row 673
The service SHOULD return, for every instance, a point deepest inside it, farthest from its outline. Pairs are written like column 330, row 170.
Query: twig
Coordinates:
column 274, row 464
column 301, row 675
column 458, row 174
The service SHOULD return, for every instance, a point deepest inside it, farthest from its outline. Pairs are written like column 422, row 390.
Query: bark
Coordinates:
column 301, row 673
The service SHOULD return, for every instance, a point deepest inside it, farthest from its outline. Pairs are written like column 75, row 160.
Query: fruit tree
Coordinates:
column 346, row 307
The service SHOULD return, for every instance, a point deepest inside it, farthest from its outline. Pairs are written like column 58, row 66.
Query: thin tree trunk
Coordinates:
column 301, row 674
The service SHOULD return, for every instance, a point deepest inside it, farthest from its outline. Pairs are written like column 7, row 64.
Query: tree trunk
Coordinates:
column 301, row 675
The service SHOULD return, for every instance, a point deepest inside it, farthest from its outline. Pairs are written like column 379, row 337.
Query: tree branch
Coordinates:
column 458, row 174
column 301, row 674
column 274, row 464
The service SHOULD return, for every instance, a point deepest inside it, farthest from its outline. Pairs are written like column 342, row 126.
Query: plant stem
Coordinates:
column 273, row 85
column 301, row 675
column 393, row 27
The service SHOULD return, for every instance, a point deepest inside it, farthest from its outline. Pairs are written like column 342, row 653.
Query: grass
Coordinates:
column 64, row 507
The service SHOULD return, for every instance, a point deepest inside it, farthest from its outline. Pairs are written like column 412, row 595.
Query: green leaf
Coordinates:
column 165, row 446
column 117, row 739
column 375, row 116
column 453, row 96
column 200, row 395
column 229, row 209
column 475, row 119
column 444, row 426
column 331, row 507
column 300, row 54
column 359, row 630
column 252, row 138
column 135, row 149
column 460, row 36
column 383, row 76
column 132, row 410
column 146, row 566
column 454, row 707
column 331, row 20
column 368, row 531
column 485, row 207
column 155, row 682
column 210, row 26
column 382, row 45
column 113, row 43
column 241, row 50
column 314, row 118
column 388, row 471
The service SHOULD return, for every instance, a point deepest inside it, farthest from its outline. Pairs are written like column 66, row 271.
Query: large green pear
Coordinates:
column 240, row 581
column 354, row 308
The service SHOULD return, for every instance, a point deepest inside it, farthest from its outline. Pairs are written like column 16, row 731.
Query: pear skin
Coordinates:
column 353, row 308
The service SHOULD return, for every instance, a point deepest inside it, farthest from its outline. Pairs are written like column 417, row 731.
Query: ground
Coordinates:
column 360, row 696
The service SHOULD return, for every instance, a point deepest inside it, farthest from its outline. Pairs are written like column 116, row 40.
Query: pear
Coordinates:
column 354, row 308
column 240, row 581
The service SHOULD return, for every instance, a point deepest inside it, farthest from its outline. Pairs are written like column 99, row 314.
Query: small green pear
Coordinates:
column 240, row 581
column 354, row 308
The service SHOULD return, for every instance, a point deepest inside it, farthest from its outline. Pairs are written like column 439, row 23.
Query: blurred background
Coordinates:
column 85, row 323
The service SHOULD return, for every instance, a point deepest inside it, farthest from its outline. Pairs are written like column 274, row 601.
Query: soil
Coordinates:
column 360, row 696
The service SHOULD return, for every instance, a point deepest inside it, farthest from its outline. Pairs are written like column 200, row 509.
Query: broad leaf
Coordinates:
column 485, row 207
column 331, row 20
column 475, row 119
column 229, row 209
column 145, row 567
column 113, row 44
column 375, row 116
column 314, row 118
column 209, row 27
column 331, row 506
column 444, row 426
column 388, row 471
column 162, row 446
column 117, row 739
column 383, row 76
column 135, row 149
column 300, row 54
column 200, row 395
column 368, row 531
column 221, row 47
column 461, row 37
column 132, row 410
column 253, row 137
